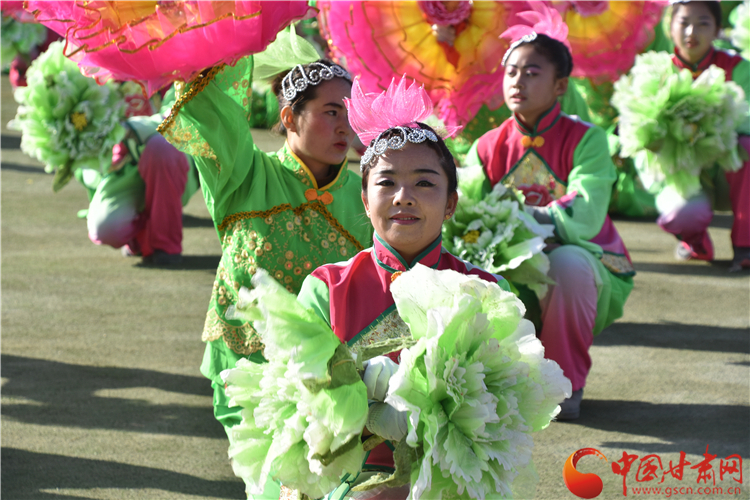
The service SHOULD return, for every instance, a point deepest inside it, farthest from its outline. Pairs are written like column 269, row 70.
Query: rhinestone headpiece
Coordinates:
column 297, row 80
column 405, row 134
column 530, row 37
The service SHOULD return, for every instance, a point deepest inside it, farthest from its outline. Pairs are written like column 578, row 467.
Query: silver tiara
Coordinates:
column 407, row 134
column 297, row 80
column 529, row 37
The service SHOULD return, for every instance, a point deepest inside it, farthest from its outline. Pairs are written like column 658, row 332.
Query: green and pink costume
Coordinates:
column 354, row 298
column 563, row 164
column 689, row 221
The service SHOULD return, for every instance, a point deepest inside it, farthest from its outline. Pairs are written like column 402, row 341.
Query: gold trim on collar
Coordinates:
column 310, row 175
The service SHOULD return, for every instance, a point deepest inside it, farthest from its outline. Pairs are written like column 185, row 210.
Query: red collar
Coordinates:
column 698, row 67
column 390, row 260
column 545, row 122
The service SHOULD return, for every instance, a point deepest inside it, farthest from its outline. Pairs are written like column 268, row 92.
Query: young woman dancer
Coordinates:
column 287, row 212
column 693, row 28
column 408, row 192
column 563, row 166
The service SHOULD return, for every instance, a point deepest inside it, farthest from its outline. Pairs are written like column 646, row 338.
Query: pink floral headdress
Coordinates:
column 544, row 21
column 399, row 108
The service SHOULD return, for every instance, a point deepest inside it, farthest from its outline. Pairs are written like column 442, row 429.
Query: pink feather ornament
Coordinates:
column 542, row 20
column 399, row 106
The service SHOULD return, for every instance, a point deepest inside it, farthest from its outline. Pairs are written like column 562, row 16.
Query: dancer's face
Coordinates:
column 407, row 198
column 530, row 84
column 320, row 134
column 693, row 30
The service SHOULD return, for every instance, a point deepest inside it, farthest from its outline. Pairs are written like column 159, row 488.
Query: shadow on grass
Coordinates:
column 189, row 262
column 646, row 219
column 26, row 474
column 717, row 269
column 723, row 221
column 10, row 141
column 64, row 395
column 685, row 427
column 23, row 168
column 720, row 220
column 193, row 221
column 676, row 336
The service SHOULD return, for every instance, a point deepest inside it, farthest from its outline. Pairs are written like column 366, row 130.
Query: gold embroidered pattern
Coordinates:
column 533, row 173
column 298, row 211
column 240, row 339
column 618, row 264
column 196, row 86
column 390, row 327
column 185, row 137
column 286, row 242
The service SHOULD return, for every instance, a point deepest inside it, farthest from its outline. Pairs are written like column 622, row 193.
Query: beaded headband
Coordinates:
column 297, row 80
column 530, row 37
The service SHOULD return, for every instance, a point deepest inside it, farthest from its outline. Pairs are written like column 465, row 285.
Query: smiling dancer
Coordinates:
column 408, row 189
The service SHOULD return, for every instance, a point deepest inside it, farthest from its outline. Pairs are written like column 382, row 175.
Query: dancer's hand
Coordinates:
column 378, row 372
column 387, row 422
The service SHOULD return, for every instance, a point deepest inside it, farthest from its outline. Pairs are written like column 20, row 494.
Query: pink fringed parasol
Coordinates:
column 154, row 43
column 606, row 36
column 379, row 41
column 14, row 8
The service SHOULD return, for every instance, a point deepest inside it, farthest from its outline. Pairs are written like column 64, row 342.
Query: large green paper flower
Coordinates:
column 68, row 120
column 496, row 234
column 674, row 126
column 475, row 386
column 303, row 411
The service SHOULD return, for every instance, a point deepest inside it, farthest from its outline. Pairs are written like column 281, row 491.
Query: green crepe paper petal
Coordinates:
column 295, row 330
column 63, row 175
column 740, row 33
column 532, row 272
column 475, row 386
column 57, row 94
column 495, row 233
column 688, row 124
column 284, row 53
column 382, row 348
column 404, row 458
column 471, row 176
column 303, row 412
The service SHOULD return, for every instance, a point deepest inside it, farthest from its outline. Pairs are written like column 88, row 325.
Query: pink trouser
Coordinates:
column 159, row 225
column 690, row 221
column 569, row 313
